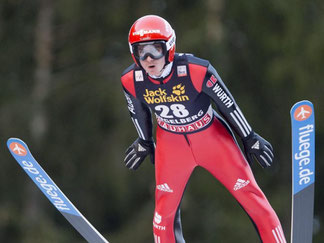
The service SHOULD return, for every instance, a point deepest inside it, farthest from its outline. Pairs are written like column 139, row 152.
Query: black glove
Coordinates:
column 256, row 146
column 137, row 152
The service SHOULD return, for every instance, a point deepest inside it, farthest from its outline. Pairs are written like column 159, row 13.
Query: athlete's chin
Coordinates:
column 153, row 71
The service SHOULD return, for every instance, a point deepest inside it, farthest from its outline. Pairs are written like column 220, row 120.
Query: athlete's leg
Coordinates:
column 225, row 161
column 174, row 164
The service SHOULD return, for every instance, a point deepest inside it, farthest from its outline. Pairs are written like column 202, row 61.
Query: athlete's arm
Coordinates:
column 215, row 88
column 142, row 119
column 144, row 145
column 140, row 115
column 254, row 145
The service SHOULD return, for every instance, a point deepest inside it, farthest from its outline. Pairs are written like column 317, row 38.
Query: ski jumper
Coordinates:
column 189, row 134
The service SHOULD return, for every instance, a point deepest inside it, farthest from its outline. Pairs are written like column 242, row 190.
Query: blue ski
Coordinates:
column 303, row 171
column 25, row 159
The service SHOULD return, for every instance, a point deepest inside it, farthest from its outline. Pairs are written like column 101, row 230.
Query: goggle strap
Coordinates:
column 130, row 47
column 171, row 41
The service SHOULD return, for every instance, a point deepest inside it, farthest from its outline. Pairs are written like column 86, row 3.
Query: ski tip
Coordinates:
column 17, row 147
column 302, row 102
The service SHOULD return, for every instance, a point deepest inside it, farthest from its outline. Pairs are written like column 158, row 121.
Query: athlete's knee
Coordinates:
column 261, row 206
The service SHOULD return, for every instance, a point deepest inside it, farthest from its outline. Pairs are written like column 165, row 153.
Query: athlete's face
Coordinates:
column 153, row 66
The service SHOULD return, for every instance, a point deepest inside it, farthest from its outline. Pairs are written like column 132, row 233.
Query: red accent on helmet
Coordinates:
column 151, row 28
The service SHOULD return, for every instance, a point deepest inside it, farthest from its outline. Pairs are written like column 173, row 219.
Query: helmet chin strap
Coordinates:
column 165, row 71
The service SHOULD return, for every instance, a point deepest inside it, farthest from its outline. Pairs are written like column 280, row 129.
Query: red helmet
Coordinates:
column 152, row 28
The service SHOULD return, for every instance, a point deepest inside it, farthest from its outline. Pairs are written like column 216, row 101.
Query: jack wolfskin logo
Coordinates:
column 161, row 96
column 178, row 89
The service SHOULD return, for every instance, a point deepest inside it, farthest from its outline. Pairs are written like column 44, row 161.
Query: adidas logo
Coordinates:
column 240, row 184
column 164, row 188
column 141, row 148
column 256, row 145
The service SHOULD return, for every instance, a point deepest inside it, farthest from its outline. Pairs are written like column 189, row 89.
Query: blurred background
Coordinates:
column 60, row 68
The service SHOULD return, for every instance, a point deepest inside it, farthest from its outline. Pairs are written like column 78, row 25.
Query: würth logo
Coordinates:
column 157, row 218
column 157, row 221
column 210, row 83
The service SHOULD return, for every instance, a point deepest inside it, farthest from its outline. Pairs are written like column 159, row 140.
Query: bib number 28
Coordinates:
column 175, row 110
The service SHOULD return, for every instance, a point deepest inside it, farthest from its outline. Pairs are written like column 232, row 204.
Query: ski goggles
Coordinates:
column 153, row 49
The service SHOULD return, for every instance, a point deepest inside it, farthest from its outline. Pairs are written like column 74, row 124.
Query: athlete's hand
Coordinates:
column 257, row 147
column 137, row 152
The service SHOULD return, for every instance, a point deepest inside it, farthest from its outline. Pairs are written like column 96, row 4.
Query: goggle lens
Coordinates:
column 155, row 50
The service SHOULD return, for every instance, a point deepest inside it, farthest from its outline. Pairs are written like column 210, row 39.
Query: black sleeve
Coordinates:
column 214, row 87
column 141, row 116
